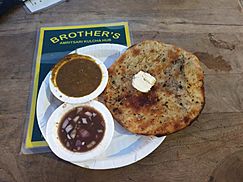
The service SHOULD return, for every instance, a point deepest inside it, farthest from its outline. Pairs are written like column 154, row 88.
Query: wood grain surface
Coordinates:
column 211, row 149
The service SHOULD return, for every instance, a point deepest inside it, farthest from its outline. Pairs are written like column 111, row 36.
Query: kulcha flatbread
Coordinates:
column 175, row 100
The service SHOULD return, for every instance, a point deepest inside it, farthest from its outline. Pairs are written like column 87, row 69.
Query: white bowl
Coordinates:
column 65, row 154
column 77, row 100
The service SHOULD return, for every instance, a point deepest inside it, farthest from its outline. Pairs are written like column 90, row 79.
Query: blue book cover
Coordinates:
column 53, row 43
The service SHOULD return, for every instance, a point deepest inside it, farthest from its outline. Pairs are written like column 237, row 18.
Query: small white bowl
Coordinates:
column 77, row 100
column 65, row 154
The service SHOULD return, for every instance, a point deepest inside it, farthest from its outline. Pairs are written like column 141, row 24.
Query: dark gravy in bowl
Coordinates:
column 77, row 75
column 81, row 129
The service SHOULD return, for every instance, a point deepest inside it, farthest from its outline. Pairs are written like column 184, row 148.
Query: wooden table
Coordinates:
column 211, row 149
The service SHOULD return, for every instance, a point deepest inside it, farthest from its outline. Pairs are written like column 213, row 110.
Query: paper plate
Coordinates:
column 125, row 148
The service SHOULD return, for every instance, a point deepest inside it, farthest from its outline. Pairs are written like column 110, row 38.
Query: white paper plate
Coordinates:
column 125, row 148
